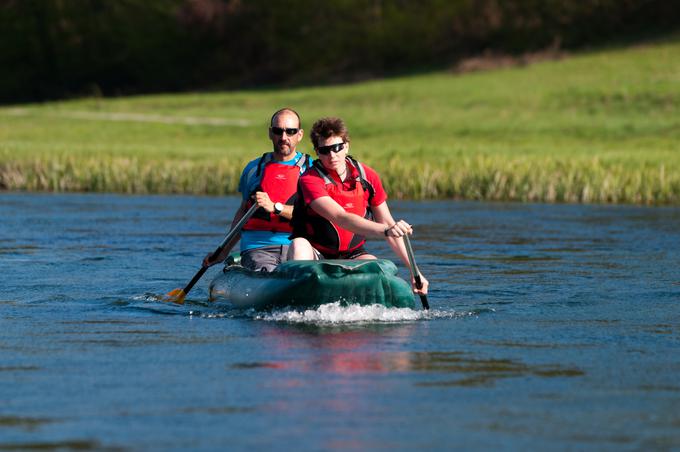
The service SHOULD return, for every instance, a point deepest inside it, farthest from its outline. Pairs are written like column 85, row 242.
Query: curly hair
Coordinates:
column 328, row 127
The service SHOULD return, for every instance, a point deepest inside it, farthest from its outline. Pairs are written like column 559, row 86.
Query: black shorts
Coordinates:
column 343, row 255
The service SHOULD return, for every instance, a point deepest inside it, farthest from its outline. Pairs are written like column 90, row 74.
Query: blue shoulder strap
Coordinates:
column 266, row 158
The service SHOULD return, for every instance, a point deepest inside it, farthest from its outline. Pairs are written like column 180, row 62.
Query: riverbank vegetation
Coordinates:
column 602, row 126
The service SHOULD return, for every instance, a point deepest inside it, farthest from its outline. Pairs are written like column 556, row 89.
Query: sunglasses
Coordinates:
column 279, row 131
column 325, row 150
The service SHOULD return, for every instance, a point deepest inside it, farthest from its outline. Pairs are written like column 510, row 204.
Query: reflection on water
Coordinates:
column 28, row 423
column 344, row 353
column 469, row 370
column 333, row 337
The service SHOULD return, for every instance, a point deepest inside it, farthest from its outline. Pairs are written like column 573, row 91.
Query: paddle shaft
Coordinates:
column 235, row 230
column 414, row 271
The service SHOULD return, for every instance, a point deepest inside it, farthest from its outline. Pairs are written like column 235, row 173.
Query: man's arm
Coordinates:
column 383, row 215
column 333, row 212
column 243, row 208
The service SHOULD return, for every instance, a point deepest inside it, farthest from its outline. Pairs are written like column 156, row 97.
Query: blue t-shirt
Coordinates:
column 246, row 185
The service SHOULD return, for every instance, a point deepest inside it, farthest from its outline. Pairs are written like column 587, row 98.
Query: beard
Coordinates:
column 283, row 150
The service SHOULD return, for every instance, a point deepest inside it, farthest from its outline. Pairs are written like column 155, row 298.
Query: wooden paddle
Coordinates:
column 414, row 271
column 178, row 295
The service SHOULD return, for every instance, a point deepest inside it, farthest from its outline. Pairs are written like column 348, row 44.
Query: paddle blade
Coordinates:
column 176, row 296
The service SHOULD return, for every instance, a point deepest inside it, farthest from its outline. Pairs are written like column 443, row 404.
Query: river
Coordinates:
column 552, row 327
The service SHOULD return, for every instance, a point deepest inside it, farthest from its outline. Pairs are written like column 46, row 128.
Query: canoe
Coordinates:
column 309, row 284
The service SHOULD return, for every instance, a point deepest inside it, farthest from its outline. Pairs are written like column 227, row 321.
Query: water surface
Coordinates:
column 553, row 326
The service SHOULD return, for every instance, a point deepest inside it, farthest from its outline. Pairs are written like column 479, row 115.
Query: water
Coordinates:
column 553, row 327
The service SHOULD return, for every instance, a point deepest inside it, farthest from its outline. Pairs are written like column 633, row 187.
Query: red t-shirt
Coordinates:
column 313, row 186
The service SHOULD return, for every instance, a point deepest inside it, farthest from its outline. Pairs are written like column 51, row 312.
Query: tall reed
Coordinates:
column 120, row 175
column 497, row 178
column 545, row 179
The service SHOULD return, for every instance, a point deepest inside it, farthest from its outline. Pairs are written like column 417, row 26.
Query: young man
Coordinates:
column 339, row 202
column 270, row 181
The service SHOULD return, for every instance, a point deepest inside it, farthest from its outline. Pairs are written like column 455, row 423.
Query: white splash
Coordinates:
column 335, row 313
column 147, row 297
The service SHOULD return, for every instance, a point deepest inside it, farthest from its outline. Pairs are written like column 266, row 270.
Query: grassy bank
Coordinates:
column 598, row 127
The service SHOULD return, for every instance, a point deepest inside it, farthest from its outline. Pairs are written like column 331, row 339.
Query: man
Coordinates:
column 270, row 182
column 340, row 201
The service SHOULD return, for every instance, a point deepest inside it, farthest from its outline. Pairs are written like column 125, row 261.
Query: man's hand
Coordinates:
column 398, row 229
column 423, row 289
column 262, row 200
column 207, row 262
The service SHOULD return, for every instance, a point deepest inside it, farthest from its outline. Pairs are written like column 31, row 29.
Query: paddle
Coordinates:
column 178, row 295
column 414, row 271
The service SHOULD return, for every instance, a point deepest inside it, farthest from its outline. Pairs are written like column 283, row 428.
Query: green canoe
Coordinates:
column 309, row 284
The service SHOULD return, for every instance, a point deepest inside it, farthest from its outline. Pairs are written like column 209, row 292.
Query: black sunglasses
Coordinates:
column 325, row 150
column 279, row 131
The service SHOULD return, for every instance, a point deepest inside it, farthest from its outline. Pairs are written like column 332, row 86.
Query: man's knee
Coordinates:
column 300, row 249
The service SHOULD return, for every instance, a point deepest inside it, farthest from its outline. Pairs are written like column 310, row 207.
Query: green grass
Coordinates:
column 597, row 127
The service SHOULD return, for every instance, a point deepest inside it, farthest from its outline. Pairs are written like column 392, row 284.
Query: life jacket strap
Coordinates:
column 266, row 158
column 361, row 178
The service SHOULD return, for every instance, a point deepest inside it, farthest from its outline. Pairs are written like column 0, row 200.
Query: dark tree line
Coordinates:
column 59, row 48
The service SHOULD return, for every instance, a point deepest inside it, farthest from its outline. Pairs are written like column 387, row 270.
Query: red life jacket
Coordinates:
column 279, row 181
column 325, row 236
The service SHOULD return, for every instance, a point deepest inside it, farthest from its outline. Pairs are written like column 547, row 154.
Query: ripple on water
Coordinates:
column 57, row 445
column 217, row 410
column 27, row 423
column 19, row 368
column 19, row 249
column 471, row 370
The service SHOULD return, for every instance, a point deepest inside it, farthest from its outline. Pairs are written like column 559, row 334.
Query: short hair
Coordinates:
column 285, row 110
column 328, row 127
